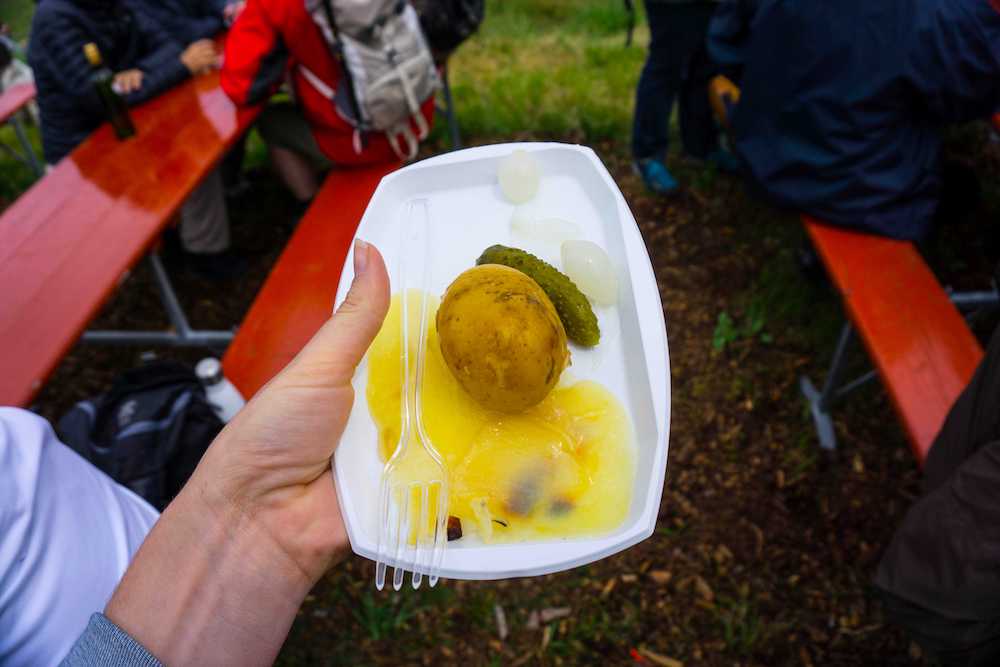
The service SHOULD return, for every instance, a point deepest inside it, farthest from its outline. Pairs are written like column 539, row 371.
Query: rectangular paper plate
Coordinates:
column 469, row 214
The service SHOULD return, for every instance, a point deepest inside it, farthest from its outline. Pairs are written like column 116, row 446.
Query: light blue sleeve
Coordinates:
column 104, row 643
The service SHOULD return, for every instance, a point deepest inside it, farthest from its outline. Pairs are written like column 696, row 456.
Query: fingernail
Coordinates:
column 360, row 257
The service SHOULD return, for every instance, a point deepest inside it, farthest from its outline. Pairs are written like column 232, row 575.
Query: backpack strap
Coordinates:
column 319, row 84
column 357, row 140
column 412, row 144
column 338, row 52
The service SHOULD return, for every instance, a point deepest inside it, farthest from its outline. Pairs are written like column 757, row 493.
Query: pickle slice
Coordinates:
column 574, row 310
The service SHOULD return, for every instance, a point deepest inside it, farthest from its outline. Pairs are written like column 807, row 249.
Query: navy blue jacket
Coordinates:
column 70, row 107
column 843, row 103
column 186, row 21
column 729, row 32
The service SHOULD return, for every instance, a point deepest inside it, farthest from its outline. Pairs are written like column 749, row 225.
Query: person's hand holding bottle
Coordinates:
column 127, row 82
column 200, row 57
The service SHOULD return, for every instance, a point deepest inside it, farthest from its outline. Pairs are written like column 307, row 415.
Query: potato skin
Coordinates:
column 501, row 337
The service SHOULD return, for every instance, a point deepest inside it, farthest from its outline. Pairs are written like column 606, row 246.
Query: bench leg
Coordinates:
column 974, row 300
column 821, row 401
column 181, row 336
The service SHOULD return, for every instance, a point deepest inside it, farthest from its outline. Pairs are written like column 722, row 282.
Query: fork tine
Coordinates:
column 440, row 534
column 382, row 537
column 411, row 553
column 422, row 534
column 402, row 537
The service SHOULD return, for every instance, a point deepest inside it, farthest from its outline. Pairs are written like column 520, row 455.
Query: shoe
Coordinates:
column 656, row 176
column 216, row 266
column 724, row 161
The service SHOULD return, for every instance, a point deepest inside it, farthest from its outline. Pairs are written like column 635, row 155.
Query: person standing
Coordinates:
column 675, row 70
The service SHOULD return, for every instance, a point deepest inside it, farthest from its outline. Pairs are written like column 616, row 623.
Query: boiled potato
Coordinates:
column 501, row 337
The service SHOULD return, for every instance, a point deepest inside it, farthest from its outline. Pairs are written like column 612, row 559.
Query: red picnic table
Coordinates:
column 69, row 241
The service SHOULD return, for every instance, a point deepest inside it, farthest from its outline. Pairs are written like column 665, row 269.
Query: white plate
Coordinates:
column 468, row 214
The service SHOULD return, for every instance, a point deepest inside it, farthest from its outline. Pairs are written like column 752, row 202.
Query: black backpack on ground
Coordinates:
column 148, row 432
column 448, row 23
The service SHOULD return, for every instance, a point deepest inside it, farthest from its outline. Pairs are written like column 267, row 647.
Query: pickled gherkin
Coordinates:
column 574, row 310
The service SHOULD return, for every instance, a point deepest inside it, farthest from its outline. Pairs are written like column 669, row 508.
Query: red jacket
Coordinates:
column 273, row 38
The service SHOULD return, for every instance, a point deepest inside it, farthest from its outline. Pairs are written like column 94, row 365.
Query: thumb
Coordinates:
column 337, row 348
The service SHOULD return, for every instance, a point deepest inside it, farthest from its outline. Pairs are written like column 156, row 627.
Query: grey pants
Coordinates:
column 204, row 224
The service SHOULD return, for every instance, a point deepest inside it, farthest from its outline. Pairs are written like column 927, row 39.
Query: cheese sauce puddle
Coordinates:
column 563, row 468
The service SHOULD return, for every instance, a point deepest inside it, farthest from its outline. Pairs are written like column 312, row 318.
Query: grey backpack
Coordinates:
column 388, row 69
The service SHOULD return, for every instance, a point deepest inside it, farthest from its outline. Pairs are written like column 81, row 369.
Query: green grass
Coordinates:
column 530, row 18
column 17, row 14
column 556, row 68
column 16, row 177
column 382, row 615
column 380, row 619
column 741, row 626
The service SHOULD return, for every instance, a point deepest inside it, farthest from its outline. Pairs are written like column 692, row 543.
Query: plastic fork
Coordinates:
column 412, row 509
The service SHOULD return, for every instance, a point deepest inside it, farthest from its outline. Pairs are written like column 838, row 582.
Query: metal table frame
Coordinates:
column 179, row 335
column 820, row 401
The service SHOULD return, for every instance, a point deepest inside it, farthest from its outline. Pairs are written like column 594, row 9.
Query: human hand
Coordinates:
column 223, row 572
column 273, row 461
column 127, row 82
column 200, row 56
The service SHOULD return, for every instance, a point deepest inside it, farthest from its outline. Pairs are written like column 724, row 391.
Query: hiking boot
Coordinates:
column 656, row 176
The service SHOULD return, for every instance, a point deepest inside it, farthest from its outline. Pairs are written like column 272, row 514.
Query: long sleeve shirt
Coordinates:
column 67, row 534
column 104, row 643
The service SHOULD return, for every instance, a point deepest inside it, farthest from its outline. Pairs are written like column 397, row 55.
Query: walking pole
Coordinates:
column 630, row 10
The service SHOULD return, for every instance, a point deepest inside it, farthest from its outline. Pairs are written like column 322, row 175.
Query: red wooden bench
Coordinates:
column 297, row 297
column 918, row 341
column 12, row 101
column 995, row 121
column 916, row 338
column 67, row 243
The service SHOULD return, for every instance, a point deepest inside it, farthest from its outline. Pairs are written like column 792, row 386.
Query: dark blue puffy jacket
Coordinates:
column 69, row 105
column 843, row 103
column 729, row 32
column 185, row 21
